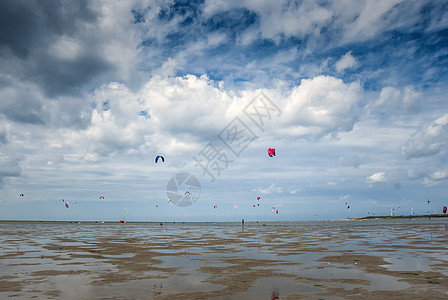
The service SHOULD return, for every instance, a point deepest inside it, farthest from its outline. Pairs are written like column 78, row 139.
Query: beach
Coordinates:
column 368, row 259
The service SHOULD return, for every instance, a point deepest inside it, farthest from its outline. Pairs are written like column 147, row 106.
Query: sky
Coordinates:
column 351, row 94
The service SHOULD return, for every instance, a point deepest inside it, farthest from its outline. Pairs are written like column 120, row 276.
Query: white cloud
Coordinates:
column 376, row 178
column 429, row 182
column 411, row 98
column 395, row 101
column 439, row 175
column 372, row 18
column 181, row 113
column 352, row 20
column 320, row 106
column 389, row 98
column 436, row 178
column 431, row 139
column 294, row 191
column 347, row 61
column 271, row 189
column 344, row 197
column 279, row 19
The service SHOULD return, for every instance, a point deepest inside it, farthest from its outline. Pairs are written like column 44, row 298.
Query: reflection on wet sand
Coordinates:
column 400, row 259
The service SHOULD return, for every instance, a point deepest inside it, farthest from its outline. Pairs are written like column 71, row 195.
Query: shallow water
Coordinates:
column 217, row 260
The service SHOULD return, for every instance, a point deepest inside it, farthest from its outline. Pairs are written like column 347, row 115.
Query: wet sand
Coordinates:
column 393, row 259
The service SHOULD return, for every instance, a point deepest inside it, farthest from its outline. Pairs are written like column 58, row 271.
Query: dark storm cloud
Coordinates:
column 66, row 77
column 30, row 28
column 27, row 25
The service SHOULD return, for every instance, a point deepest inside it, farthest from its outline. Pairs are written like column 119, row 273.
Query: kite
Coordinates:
column 234, row 206
column 444, row 209
column 254, row 205
column 125, row 217
column 187, row 193
column 157, row 205
column 21, row 195
column 271, row 152
column 429, row 201
column 258, row 198
column 101, row 197
column 215, row 206
column 159, row 157
column 169, row 200
column 66, row 204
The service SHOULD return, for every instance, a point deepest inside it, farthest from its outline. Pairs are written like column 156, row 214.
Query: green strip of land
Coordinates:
column 401, row 217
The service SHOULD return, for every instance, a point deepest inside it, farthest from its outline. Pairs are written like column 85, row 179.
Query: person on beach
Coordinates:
column 275, row 295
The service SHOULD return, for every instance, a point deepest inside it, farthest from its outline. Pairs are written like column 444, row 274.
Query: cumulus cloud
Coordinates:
column 271, row 189
column 376, row 178
column 436, row 177
column 320, row 106
column 395, row 101
column 431, row 139
column 439, row 175
column 347, row 61
column 179, row 114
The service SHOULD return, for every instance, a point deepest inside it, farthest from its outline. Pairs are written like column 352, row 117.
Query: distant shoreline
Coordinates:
column 401, row 217
column 217, row 222
column 100, row 222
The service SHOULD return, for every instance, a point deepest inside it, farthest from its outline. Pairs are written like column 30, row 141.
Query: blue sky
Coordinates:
column 91, row 92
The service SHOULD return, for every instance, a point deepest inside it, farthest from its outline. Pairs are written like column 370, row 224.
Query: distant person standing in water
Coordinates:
column 242, row 224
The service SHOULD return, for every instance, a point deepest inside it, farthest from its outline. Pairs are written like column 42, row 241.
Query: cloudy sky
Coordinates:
column 351, row 94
